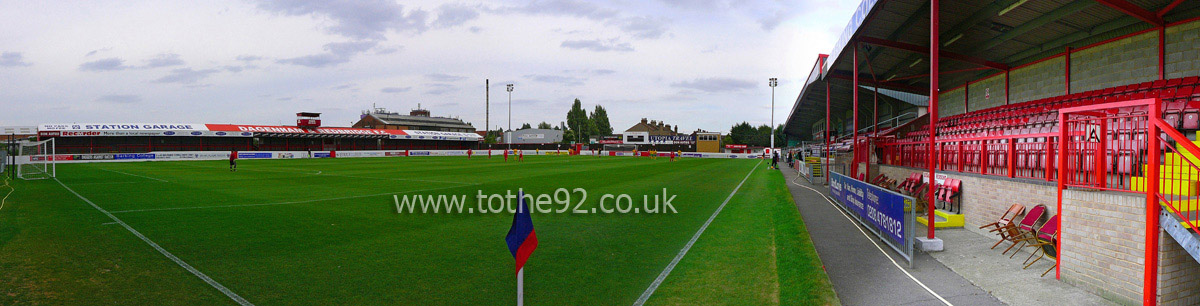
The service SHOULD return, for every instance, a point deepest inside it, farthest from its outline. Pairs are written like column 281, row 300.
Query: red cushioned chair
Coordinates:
column 1045, row 246
column 1021, row 233
column 1191, row 115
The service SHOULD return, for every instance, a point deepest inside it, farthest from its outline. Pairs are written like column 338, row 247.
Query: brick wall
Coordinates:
column 1122, row 62
column 987, row 93
column 1179, row 274
column 1103, row 237
column 952, row 103
column 1104, row 243
column 1041, row 80
column 1183, row 50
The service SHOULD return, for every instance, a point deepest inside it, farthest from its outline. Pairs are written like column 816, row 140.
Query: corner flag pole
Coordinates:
column 521, row 287
column 521, row 241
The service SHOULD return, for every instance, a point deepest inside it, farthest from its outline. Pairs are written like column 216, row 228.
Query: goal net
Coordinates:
column 620, row 147
column 40, row 163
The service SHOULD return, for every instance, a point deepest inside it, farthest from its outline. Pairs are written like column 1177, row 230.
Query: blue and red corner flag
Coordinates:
column 521, row 239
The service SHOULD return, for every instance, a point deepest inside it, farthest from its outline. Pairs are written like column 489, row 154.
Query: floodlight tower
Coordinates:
column 773, row 82
column 509, row 141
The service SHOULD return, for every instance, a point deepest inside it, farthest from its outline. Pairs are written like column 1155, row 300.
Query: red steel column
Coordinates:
column 1150, row 287
column 934, row 45
column 1162, row 49
column 874, row 125
column 1062, row 179
column 854, row 152
column 1006, row 95
column 827, row 133
column 1067, row 71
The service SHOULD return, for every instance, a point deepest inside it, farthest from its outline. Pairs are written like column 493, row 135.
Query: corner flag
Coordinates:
column 521, row 242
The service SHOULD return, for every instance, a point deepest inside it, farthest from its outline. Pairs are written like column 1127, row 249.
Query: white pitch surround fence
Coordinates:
column 48, row 160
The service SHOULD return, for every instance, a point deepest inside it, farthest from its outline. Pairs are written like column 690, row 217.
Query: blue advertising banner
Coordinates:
column 134, row 156
column 254, row 155
column 880, row 207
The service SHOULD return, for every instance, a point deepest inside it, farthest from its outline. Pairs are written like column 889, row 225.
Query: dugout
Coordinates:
column 1012, row 92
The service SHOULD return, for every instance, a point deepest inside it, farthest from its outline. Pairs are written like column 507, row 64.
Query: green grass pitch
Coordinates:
column 326, row 231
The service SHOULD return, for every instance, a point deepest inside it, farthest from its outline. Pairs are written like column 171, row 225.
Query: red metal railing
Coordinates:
column 1023, row 156
column 1176, row 170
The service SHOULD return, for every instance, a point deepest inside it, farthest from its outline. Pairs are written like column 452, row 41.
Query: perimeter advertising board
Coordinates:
column 879, row 207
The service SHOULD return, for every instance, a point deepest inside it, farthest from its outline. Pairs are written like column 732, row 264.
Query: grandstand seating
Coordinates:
column 981, row 137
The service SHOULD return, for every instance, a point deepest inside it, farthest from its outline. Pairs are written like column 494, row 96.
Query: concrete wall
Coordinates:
column 952, row 103
column 1103, row 236
column 1041, row 80
column 1183, row 50
column 1122, row 62
column 986, row 94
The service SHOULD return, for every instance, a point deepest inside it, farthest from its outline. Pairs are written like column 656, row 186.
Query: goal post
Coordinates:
column 35, row 160
column 620, row 147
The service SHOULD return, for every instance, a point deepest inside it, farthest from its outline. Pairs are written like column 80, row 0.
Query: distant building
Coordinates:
column 655, row 132
column 18, row 132
column 528, row 136
column 706, row 141
column 418, row 119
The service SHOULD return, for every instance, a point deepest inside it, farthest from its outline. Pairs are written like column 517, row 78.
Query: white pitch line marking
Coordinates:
column 141, row 176
column 204, row 277
column 885, row 254
column 667, row 271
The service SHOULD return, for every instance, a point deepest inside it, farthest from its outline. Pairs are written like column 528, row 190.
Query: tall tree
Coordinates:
column 742, row 133
column 544, row 126
column 599, row 119
column 494, row 136
column 526, row 126
column 577, row 122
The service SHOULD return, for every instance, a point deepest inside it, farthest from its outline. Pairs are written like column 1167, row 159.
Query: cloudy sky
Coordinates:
column 693, row 63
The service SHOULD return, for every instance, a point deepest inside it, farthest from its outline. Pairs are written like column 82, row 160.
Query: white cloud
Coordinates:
column 598, row 45
column 698, row 64
column 12, row 59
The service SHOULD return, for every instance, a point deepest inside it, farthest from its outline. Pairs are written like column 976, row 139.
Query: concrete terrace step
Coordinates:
column 1168, row 186
column 943, row 219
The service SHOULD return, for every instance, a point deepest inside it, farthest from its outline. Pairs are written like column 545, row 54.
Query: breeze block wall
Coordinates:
column 1103, row 235
column 952, row 103
column 1041, row 80
column 1122, row 62
column 1182, row 50
column 986, row 94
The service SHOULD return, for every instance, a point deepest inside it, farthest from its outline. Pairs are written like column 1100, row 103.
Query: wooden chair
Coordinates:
column 1012, row 213
column 1022, row 234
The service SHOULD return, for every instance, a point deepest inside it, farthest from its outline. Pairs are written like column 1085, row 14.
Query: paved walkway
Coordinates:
column 968, row 272
column 968, row 253
column 861, row 273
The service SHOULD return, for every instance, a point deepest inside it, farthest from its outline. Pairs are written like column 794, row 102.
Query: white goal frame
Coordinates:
column 36, row 160
column 620, row 147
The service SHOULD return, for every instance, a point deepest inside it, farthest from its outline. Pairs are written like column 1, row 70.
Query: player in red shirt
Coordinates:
column 505, row 155
column 233, row 161
column 521, row 155
column 468, row 153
